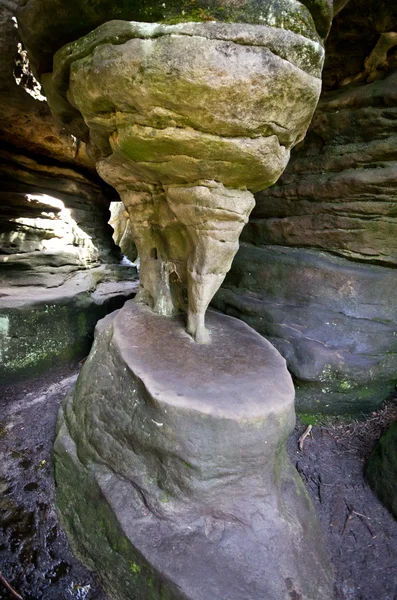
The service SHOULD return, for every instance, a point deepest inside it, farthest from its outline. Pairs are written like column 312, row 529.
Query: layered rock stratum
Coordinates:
column 59, row 268
column 317, row 272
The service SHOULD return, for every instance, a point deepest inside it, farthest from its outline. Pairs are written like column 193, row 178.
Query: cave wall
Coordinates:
column 317, row 270
column 59, row 267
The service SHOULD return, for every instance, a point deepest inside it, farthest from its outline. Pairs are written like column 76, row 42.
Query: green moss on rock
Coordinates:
column 38, row 336
column 47, row 25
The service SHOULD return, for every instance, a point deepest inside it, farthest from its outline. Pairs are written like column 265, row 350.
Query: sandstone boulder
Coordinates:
column 172, row 477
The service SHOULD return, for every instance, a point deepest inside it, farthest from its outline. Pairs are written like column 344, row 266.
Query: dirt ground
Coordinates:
column 361, row 533
column 35, row 558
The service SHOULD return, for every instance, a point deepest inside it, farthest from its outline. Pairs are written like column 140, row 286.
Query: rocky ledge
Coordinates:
column 44, row 327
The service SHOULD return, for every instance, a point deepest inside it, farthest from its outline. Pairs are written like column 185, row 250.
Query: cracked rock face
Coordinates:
column 186, row 122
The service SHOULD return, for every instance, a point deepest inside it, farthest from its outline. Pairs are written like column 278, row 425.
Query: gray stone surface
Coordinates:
column 333, row 320
column 122, row 233
column 339, row 191
column 381, row 469
column 172, row 476
column 46, row 25
column 48, row 320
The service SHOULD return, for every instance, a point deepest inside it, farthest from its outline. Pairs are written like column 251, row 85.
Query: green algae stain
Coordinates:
column 134, row 568
column 4, row 325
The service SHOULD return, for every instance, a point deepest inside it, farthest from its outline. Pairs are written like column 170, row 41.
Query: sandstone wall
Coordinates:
column 317, row 273
column 59, row 267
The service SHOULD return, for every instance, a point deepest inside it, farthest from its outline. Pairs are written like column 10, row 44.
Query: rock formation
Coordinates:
column 188, row 121
column 170, row 455
column 359, row 54
column 317, row 272
column 173, row 479
column 59, row 269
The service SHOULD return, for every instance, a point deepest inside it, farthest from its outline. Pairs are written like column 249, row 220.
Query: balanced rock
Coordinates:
column 171, row 469
column 186, row 120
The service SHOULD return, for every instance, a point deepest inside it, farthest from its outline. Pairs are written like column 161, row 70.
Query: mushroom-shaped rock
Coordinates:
column 186, row 120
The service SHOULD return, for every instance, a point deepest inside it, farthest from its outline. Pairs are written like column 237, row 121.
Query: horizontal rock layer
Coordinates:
column 334, row 321
column 339, row 191
column 46, row 26
column 43, row 229
column 42, row 328
column 190, row 101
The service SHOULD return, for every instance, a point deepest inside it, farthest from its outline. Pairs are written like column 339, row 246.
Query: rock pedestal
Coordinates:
column 172, row 476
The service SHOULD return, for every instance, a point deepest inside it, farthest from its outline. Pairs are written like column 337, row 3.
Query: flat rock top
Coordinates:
column 238, row 375
column 47, row 25
column 59, row 288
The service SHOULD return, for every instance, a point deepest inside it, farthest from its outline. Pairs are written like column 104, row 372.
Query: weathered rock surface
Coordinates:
column 187, row 121
column 54, row 235
column 172, row 477
column 381, row 469
column 48, row 324
column 59, row 268
column 26, row 122
column 333, row 320
column 46, row 26
column 339, row 191
column 38, row 156
column 122, row 232
column 50, row 220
